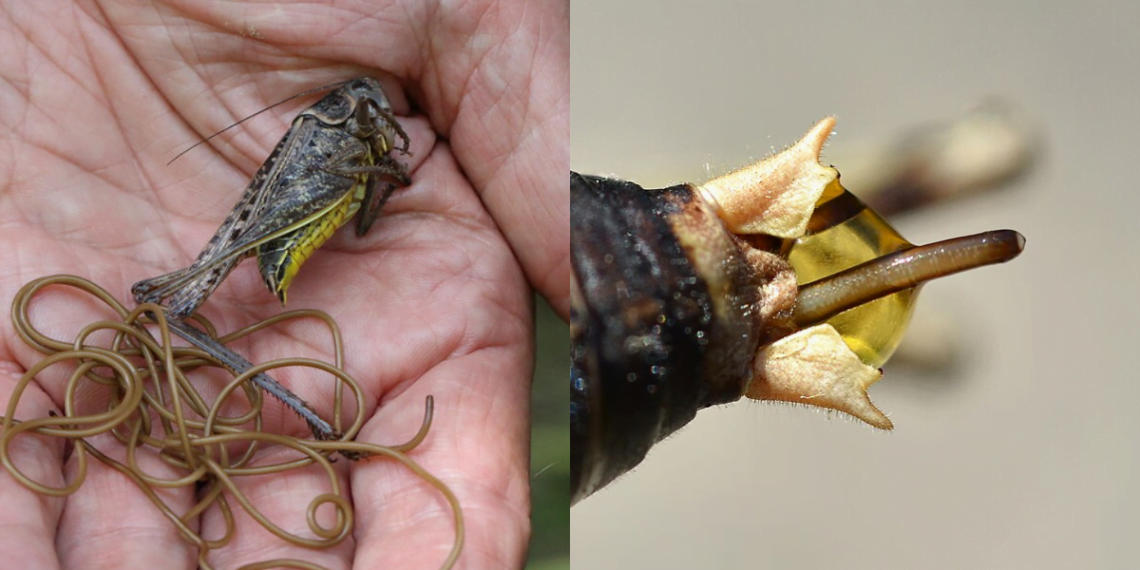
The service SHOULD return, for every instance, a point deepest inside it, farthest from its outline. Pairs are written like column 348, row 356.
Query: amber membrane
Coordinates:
column 873, row 330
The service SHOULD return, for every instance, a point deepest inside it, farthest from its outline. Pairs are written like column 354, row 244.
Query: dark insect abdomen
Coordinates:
column 640, row 331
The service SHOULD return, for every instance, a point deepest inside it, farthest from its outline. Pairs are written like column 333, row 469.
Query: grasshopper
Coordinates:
column 325, row 169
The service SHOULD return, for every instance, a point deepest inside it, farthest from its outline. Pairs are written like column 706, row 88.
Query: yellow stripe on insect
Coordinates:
column 281, row 263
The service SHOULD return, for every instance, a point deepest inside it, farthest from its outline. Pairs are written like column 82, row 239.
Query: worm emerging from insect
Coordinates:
column 772, row 282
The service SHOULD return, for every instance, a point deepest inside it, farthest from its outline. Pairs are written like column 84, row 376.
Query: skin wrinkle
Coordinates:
column 494, row 341
column 18, row 87
column 19, row 534
column 250, row 145
column 30, row 33
column 496, row 409
column 153, row 190
column 69, row 235
column 220, row 161
column 225, row 102
column 429, row 510
column 318, row 25
column 491, row 183
column 140, row 174
column 488, row 508
column 67, row 161
column 88, row 542
column 101, row 172
column 410, row 377
column 253, row 139
column 449, row 113
column 460, row 343
column 55, row 151
column 453, row 346
column 53, row 226
column 12, row 345
column 554, row 280
column 368, row 20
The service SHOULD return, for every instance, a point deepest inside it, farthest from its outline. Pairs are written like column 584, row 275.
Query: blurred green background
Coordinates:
column 550, row 444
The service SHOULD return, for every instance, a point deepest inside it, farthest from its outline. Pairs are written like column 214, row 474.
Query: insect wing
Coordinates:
column 257, row 235
column 289, row 191
column 194, row 283
column 315, row 165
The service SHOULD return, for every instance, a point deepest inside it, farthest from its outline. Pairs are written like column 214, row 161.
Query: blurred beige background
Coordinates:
column 1027, row 454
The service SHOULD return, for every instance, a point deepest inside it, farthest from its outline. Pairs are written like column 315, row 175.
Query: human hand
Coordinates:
column 98, row 97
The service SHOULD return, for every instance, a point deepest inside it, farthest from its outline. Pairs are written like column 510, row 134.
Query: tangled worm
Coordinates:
column 153, row 405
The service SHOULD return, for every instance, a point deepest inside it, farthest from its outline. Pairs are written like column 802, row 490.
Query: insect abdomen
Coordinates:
column 659, row 330
column 279, row 260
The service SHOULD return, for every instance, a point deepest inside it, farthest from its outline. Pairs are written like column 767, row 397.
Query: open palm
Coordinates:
column 96, row 97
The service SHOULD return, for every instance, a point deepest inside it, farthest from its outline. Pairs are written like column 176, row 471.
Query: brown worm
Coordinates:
column 153, row 404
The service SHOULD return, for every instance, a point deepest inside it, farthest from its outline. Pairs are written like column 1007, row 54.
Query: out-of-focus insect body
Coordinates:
column 684, row 298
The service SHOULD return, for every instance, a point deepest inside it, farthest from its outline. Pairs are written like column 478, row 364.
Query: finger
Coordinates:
column 110, row 523
column 477, row 446
column 474, row 357
column 28, row 518
column 475, row 364
column 284, row 499
column 507, row 118
column 512, row 138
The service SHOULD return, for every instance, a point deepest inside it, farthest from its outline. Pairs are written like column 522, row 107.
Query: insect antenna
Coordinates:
column 281, row 102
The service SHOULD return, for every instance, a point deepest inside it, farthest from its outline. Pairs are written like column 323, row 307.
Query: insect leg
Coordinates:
column 370, row 211
column 399, row 130
column 186, row 287
column 186, row 299
column 385, row 166
column 155, row 289
column 238, row 364
column 364, row 117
